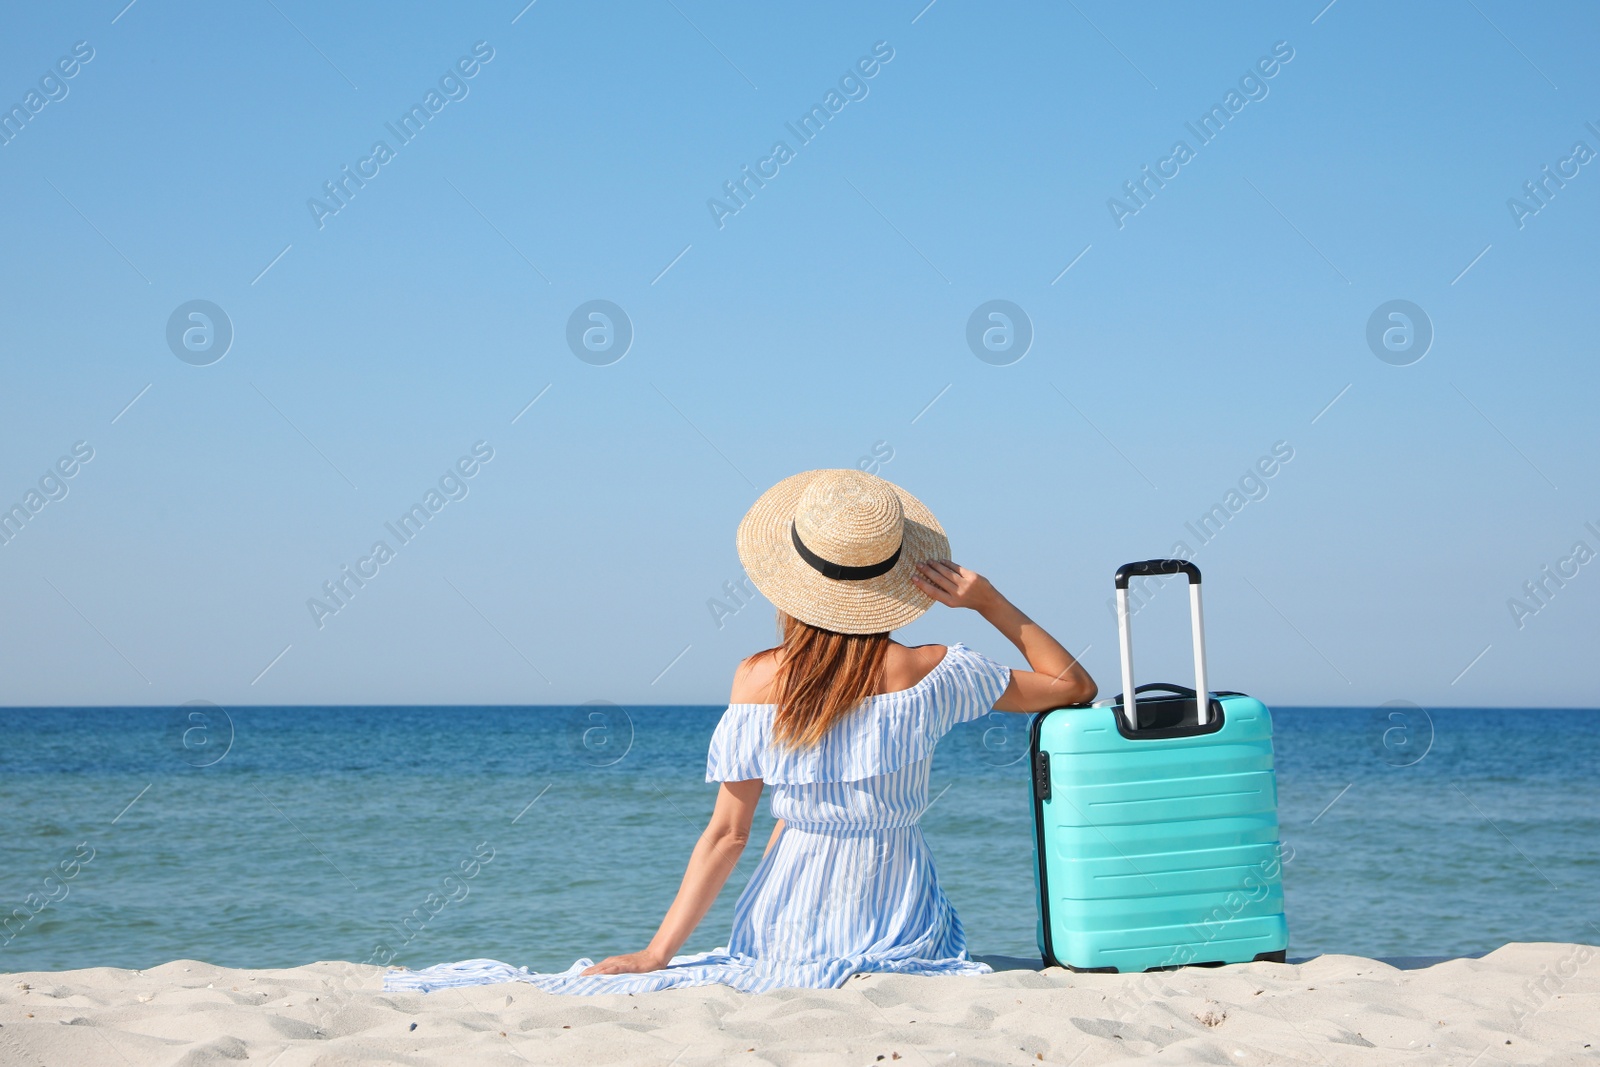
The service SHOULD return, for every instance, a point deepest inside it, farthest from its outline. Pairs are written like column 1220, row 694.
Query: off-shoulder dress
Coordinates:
column 850, row 885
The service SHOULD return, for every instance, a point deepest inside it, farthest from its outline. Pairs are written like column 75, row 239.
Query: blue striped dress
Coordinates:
column 850, row 886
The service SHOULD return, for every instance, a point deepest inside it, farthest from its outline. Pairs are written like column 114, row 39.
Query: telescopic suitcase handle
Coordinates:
column 1130, row 696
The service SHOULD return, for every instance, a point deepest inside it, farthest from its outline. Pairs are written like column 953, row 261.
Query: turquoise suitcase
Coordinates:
column 1156, row 821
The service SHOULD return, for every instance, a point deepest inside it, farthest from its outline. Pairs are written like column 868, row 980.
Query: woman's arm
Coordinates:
column 1057, row 677
column 713, row 859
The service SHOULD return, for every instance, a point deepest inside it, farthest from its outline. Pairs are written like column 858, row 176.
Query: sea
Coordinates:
column 272, row 837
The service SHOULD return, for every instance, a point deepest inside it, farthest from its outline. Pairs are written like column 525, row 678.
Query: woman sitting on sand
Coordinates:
column 842, row 723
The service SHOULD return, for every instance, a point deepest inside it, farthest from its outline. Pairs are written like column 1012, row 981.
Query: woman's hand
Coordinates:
column 953, row 585
column 1057, row 679
column 632, row 963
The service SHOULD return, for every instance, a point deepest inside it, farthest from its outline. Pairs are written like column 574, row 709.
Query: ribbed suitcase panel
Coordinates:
column 1222, row 867
column 1161, row 852
column 1169, row 767
column 1147, row 948
column 1193, row 798
column 1174, row 907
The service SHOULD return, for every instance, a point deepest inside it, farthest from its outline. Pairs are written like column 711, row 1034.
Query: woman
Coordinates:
column 842, row 723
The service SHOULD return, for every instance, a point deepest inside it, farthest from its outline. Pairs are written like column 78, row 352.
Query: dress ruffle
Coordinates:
column 886, row 733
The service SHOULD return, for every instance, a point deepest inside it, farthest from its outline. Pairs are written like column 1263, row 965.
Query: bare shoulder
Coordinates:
column 909, row 664
column 753, row 678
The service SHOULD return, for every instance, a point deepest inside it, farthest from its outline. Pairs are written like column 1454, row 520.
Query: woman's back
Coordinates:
column 849, row 884
column 903, row 667
column 870, row 770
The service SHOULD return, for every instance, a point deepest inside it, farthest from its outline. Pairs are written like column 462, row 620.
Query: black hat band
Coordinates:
column 837, row 571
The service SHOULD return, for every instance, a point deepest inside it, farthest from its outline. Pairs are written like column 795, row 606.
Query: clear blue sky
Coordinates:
column 374, row 346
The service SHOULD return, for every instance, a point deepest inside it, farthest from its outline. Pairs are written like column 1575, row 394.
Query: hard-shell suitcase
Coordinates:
column 1156, row 821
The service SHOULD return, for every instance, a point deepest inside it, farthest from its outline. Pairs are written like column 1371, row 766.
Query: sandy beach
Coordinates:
column 1524, row 1003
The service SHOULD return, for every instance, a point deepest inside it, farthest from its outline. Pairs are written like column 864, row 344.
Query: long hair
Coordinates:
column 821, row 676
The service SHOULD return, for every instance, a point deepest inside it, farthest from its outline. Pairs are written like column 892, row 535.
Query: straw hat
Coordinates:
column 836, row 549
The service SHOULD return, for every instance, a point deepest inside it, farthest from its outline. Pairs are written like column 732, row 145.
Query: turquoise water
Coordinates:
column 275, row 837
